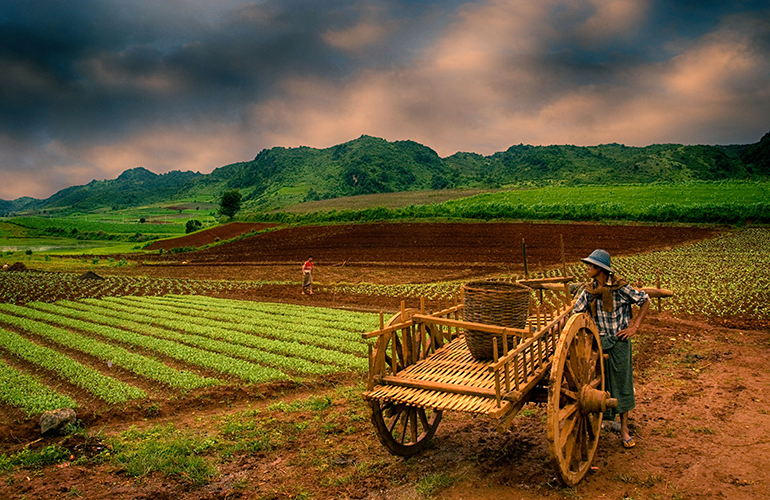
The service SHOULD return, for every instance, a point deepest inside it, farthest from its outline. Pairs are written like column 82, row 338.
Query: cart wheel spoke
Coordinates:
column 589, row 344
column 576, row 361
column 402, row 427
column 591, row 421
column 570, row 376
column 413, row 426
column 393, row 421
column 592, row 364
column 567, row 412
column 584, row 439
column 567, row 437
column 578, row 369
column 576, row 452
column 423, row 418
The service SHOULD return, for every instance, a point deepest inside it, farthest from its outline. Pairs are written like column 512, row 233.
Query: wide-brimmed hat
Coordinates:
column 600, row 258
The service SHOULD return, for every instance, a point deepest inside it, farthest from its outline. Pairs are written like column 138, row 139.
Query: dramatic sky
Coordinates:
column 90, row 88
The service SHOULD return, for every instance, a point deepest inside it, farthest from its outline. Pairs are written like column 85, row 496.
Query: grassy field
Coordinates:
column 386, row 200
column 724, row 202
column 691, row 193
column 96, row 234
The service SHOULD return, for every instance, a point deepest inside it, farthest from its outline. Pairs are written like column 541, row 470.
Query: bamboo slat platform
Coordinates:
column 452, row 365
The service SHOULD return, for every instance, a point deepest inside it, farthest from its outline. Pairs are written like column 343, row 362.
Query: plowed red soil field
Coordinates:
column 209, row 236
column 702, row 390
column 388, row 253
column 454, row 243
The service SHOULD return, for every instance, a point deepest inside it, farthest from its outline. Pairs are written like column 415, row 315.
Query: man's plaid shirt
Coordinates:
column 611, row 322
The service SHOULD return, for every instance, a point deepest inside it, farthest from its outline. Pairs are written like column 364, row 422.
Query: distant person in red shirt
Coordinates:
column 307, row 276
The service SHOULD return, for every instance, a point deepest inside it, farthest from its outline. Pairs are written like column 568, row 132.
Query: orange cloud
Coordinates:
column 481, row 87
column 613, row 18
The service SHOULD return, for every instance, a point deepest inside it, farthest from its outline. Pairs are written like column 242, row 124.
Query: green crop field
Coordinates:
column 724, row 202
column 52, row 354
column 96, row 223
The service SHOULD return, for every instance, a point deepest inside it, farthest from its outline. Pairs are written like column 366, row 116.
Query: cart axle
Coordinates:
column 595, row 401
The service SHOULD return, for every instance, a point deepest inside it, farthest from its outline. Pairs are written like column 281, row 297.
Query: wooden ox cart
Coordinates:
column 420, row 366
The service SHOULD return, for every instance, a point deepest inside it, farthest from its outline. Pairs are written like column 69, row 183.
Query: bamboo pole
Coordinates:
column 497, row 372
column 563, row 260
column 524, row 252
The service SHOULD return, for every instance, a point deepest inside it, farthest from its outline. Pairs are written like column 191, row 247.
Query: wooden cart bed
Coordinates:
column 451, row 364
column 450, row 378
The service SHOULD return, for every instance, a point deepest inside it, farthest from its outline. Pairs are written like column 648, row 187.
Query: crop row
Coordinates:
column 142, row 365
column 265, row 335
column 174, row 349
column 27, row 392
column 215, row 334
column 720, row 277
column 340, row 321
column 306, row 330
column 20, row 288
column 221, row 320
column 110, row 318
column 85, row 377
column 130, row 338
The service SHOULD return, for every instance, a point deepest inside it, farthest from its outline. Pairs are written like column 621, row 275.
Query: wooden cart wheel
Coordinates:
column 576, row 399
column 404, row 430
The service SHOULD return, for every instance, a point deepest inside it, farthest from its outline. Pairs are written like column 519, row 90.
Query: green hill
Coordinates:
column 279, row 177
column 134, row 187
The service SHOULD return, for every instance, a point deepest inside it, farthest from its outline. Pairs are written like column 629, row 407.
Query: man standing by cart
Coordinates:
column 608, row 299
column 307, row 276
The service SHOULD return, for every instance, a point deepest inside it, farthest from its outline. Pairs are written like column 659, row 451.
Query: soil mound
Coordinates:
column 17, row 266
column 90, row 275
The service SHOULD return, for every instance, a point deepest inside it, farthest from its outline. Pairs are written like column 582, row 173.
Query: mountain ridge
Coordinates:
column 281, row 176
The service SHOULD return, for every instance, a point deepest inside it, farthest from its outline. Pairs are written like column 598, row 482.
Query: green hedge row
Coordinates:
column 720, row 213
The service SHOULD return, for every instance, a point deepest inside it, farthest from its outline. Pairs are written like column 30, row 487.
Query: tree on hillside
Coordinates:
column 230, row 203
column 192, row 225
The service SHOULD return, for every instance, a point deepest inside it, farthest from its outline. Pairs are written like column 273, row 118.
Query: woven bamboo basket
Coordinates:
column 494, row 303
